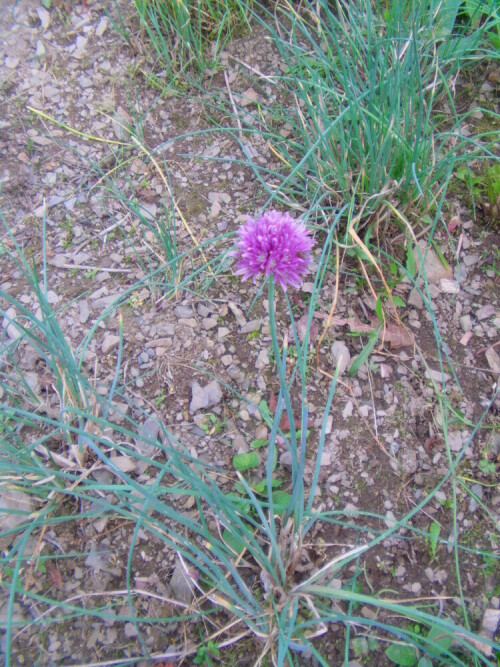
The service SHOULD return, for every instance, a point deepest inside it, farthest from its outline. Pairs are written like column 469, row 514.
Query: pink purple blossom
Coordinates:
column 273, row 244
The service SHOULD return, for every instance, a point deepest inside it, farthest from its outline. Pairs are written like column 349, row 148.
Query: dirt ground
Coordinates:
column 384, row 449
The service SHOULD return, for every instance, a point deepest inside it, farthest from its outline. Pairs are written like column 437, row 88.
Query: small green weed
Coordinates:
column 484, row 185
column 205, row 653
column 433, row 538
column 408, row 655
column 487, row 467
column 212, row 424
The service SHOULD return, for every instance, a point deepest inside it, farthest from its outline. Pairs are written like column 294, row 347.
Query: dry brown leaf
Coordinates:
column 396, row 336
column 55, row 576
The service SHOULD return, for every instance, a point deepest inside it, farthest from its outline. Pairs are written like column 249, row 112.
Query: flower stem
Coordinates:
column 284, row 394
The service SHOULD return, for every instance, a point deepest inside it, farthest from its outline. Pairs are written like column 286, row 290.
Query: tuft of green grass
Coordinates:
column 354, row 112
column 188, row 36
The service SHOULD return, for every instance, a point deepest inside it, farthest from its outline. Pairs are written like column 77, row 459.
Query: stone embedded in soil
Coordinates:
column 165, row 329
column 238, row 314
column 261, row 432
column 408, row 458
column 433, row 267
column 250, row 327
column 44, row 17
column 101, row 27
column 129, row 630
column 190, row 322
column 415, row 299
column 52, row 297
column 262, row 360
column 466, row 323
column 83, row 311
column 347, row 411
column 250, row 96
column 470, row 260
column 179, row 585
column 204, row 397
column 109, row 342
column 15, row 508
column 236, row 374
column 477, row 490
column 222, row 332
column 183, row 312
column 485, row 312
column 489, row 625
column 12, row 331
column 341, row 356
column 492, row 358
column 448, row 286
column 437, row 375
column 240, row 444
column 208, row 323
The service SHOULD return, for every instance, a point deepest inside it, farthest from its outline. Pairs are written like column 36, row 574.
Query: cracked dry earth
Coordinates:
column 384, row 449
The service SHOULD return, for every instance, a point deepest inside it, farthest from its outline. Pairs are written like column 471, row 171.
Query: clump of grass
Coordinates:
column 354, row 112
column 188, row 36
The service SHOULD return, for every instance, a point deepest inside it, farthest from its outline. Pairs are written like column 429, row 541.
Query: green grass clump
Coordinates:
column 355, row 108
column 187, row 35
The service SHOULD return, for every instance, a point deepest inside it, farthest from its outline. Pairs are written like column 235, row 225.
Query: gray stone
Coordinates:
column 12, row 330
column 341, row 356
column 455, row 441
column 237, row 314
column 470, row 260
column 80, row 46
column 52, row 297
column 130, row 630
column 44, row 17
column 492, row 358
column 165, row 329
column 433, row 267
column 109, row 342
column 222, row 332
column 485, row 312
column 15, row 508
column 249, row 327
column 180, row 586
column 347, row 411
column 477, row 490
column 415, row 299
column 466, row 323
column 437, row 376
column 83, row 311
column 102, row 26
column 204, row 397
column 11, row 62
column 190, row 322
column 236, row 374
column 122, row 123
column 262, row 360
column 209, row 323
column 408, row 459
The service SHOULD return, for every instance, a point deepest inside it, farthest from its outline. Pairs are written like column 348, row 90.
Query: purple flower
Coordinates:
column 273, row 244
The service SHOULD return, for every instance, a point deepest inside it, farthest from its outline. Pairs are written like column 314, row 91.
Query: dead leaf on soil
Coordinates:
column 55, row 576
column 393, row 334
column 432, row 441
column 284, row 423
